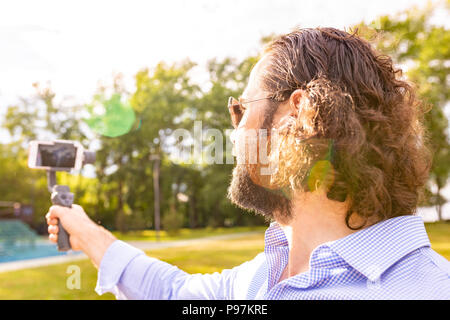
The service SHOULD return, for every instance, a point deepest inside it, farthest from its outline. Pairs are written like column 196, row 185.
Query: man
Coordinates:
column 341, row 184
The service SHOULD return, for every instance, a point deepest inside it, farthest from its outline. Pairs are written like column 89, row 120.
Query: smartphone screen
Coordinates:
column 57, row 156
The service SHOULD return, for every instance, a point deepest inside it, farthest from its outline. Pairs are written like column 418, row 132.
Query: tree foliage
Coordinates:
column 129, row 127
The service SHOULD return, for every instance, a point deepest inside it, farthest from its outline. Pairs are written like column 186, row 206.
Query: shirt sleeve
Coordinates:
column 128, row 273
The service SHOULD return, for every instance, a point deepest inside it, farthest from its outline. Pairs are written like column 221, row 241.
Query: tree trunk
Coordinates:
column 192, row 211
column 120, row 218
column 439, row 202
column 120, row 223
column 156, row 163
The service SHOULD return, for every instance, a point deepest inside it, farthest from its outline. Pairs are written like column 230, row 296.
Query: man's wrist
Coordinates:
column 95, row 243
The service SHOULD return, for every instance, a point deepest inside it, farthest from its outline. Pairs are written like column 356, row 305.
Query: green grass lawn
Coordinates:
column 439, row 234
column 50, row 282
column 183, row 233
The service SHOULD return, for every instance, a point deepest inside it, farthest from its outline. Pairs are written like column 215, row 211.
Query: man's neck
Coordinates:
column 316, row 220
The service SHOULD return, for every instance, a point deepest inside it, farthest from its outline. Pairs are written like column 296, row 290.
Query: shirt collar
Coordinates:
column 372, row 250
column 275, row 237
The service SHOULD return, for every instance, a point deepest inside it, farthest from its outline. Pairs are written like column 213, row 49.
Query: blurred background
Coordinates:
column 121, row 76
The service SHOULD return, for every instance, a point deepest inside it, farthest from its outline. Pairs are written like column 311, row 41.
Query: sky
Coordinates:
column 74, row 45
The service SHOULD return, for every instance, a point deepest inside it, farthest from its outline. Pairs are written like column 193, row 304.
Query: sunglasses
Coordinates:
column 236, row 108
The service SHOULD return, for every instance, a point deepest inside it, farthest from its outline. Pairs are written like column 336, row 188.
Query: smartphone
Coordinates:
column 58, row 155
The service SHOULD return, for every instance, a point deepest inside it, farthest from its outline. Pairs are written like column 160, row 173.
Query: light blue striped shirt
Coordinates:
column 389, row 260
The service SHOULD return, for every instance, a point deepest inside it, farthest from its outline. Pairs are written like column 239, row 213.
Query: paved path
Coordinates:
column 143, row 245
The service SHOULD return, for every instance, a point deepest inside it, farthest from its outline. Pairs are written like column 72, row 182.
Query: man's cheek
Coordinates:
column 258, row 174
column 255, row 154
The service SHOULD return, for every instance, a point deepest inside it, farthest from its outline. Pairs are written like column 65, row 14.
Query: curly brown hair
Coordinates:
column 356, row 99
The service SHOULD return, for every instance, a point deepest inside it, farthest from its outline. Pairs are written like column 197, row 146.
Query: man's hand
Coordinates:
column 74, row 220
column 84, row 234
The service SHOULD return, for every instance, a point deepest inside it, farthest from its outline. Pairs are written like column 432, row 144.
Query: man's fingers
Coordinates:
column 53, row 237
column 56, row 211
column 53, row 229
column 52, row 221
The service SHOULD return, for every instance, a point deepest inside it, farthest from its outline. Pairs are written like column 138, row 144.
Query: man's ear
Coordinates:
column 296, row 99
column 289, row 110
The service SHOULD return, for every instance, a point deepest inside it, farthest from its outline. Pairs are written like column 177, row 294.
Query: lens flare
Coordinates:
column 321, row 175
column 110, row 117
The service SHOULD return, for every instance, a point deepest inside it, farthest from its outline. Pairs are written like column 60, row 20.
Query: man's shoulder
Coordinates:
column 424, row 272
column 440, row 263
column 429, row 263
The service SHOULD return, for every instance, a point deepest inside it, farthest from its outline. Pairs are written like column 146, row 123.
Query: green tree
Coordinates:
column 227, row 77
column 162, row 96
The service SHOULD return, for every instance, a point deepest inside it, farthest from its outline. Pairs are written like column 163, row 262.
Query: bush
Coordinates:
column 172, row 222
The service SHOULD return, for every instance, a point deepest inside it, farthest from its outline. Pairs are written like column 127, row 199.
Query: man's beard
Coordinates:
column 243, row 192
column 246, row 194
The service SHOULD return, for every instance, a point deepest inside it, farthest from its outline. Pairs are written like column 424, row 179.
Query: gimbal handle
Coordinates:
column 61, row 196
